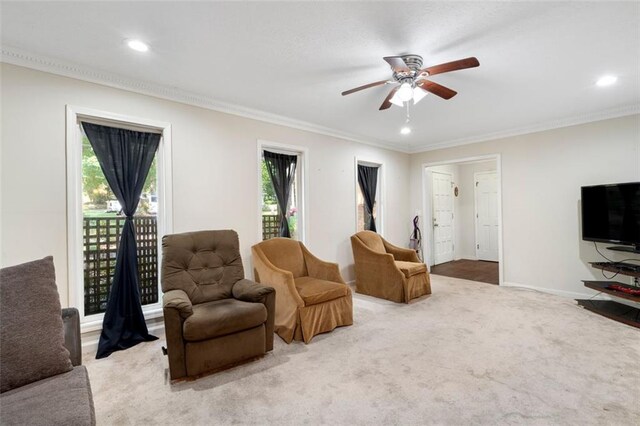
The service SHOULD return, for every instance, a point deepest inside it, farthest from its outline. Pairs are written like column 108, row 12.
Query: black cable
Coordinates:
column 608, row 260
column 613, row 263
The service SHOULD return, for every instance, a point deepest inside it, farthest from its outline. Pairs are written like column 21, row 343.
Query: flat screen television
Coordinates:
column 611, row 214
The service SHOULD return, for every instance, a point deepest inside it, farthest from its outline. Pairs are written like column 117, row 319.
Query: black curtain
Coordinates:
column 282, row 171
column 125, row 157
column 368, row 181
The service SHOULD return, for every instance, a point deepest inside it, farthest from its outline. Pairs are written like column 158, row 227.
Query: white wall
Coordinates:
column 215, row 175
column 541, row 178
column 214, row 171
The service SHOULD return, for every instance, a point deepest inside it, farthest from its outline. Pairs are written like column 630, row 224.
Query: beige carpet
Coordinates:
column 469, row 354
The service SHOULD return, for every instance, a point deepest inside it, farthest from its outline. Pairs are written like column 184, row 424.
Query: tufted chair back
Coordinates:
column 204, row 264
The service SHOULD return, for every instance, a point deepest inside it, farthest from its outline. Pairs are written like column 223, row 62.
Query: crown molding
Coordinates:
column 535, row 128
column 43, row 63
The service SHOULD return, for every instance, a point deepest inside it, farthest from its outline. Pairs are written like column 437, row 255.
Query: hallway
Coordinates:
column 475, row 270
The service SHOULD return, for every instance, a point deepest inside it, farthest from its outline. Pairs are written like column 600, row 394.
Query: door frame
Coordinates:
column 453, row 222
column 427, row 217
column 475, row 204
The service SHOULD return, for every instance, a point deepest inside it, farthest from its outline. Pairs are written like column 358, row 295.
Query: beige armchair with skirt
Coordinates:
column 387, row 271
column 214, row 318
column 311, row 296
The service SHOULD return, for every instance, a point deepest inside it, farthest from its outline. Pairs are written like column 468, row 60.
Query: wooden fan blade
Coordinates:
column 366, row 86
column 396, row 62
column 436, row 89
column 387, row 101
column 451, row 66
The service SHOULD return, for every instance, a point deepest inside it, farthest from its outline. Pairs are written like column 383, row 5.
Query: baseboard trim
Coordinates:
column 562, row 293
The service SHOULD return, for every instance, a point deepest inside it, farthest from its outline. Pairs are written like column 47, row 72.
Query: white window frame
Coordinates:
column 380, row 192
column 74, row 114
column 303, row 183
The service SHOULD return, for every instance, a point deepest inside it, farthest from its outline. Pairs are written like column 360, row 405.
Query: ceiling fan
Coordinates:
column 411, row 79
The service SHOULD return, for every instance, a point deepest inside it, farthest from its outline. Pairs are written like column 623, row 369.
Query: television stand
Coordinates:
column 628, row 249
column 624, row 308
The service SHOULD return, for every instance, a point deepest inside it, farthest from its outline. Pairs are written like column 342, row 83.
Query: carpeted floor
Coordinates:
column 468, row 354
column 476, row 270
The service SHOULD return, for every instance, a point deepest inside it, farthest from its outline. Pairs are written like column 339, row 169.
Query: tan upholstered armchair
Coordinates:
column 213, row 317
column 311, row 296
column 387, row 271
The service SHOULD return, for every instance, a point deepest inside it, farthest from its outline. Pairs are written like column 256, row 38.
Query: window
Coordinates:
column 102, row 221
column 95, row 218
column 363, row 216
column 287, row 165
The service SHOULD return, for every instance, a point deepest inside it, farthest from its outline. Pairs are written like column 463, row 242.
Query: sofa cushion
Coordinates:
column 64, row 399
column 221, row 317
column 31, row 329
column 372, row 240
column 410, row 269
column 314, row 291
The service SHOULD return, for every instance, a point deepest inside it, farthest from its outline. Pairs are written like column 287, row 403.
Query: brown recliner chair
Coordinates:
column 387, row 271
column 213, row 317
column 311, row 296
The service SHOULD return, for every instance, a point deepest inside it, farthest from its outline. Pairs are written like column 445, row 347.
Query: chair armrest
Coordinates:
column 71, row 323
column 250, row 291
column 287, row 300
column 176, row 307
column 399, row 253
column 178, row 300
column 376, row 263
column 320, row 269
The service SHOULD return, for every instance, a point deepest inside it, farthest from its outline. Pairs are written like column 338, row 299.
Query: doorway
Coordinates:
column 462, row 213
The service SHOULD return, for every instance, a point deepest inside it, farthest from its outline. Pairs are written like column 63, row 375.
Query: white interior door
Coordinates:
column 442, row 217
column 486, row 196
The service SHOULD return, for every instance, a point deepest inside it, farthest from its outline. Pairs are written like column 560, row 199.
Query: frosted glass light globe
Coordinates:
column 405, row 92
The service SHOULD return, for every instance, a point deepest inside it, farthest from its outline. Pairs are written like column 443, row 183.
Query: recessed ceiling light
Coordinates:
column 606, row 80
column 138, row 45
column 405, row 130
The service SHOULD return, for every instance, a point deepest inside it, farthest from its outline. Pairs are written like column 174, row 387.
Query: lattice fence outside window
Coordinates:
column 270, row 226
column 100, row 239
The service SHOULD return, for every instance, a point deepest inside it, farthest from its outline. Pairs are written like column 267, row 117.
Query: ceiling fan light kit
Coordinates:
column 411, row 77
column 405, row 92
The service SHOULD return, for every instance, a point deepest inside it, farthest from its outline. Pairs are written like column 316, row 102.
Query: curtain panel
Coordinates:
column 125, row 157
column 282, row 172
column 368, row 181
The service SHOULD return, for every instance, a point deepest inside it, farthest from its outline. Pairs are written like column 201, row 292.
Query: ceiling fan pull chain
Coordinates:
column 408, row 115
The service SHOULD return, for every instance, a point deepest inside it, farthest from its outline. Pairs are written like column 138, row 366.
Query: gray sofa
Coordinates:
column 63, row 399
column 42, row 381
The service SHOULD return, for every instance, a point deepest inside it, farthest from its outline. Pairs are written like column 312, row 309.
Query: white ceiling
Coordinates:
column 539, row 61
